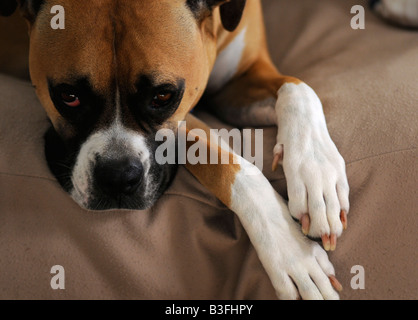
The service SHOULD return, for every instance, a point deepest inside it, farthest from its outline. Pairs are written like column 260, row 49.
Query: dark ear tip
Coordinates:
column 231, row 14
column 230, row 27
column 7, row 7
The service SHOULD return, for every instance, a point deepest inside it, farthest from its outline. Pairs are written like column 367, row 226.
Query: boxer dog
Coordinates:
column 122, row 69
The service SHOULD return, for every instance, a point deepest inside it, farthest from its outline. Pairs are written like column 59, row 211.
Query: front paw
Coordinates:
column 297, row 266
column 318, row 192
column 302, row 270
column 315, row 171
column 311, row 278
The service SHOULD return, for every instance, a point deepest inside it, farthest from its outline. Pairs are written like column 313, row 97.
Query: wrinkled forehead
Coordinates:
column 105, row 38
column 155, row 36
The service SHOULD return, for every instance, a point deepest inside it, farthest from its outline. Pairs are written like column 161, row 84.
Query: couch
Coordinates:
column 189, row 246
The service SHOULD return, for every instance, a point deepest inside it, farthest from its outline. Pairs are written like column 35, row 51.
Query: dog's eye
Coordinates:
column 70, row 100
column 162, row 99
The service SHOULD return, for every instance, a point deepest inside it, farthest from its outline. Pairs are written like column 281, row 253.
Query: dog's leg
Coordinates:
column 288, row 257
column 314, row 169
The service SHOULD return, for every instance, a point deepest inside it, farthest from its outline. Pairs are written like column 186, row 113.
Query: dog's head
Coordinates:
column 118, row 72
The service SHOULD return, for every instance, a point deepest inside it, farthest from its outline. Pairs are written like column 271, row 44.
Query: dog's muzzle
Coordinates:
column 116, row 178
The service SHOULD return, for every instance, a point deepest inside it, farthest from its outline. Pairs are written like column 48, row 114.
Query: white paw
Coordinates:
column 307, row 276
column 314, row 169
column 298, row 267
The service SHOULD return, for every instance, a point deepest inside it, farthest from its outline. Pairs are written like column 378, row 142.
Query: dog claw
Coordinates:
column 343, row 218
column 326, row 242
column 335, row 283
column 333, row 242
column 278, row 156
column 276, row 160
column 305, row 221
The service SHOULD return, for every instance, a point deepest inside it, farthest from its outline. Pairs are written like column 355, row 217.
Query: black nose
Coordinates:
column 119, row 177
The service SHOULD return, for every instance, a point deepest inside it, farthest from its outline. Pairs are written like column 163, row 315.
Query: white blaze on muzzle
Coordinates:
column 114, row 143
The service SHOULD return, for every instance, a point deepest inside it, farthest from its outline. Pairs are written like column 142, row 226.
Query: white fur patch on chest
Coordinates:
column 227, row 63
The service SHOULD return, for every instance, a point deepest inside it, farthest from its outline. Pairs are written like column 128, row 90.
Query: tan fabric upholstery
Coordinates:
column 189, row 245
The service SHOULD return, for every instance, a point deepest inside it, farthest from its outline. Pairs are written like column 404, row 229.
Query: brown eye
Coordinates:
column 161, row 99
column 70, row 100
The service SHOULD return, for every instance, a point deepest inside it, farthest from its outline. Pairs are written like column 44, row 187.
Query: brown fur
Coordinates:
column 221, row 188
column 113, row 41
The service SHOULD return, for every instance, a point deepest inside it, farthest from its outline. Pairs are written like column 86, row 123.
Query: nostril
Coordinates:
column 133, row 178
column 116, row 177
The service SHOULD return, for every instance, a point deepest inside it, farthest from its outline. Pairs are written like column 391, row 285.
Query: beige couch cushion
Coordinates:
column 189, row 245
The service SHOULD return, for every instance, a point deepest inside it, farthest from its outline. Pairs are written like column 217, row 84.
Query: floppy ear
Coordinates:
column 231, row 14
column 231, row 10
column 7, row 7
column 29, row 8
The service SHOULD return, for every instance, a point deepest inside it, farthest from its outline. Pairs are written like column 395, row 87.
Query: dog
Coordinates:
column 401, row 12
column 122, row 70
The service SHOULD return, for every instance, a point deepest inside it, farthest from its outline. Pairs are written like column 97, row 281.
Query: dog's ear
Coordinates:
column 231, row 13
column 7, row 7
column 29, row 8
column 231, row 10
